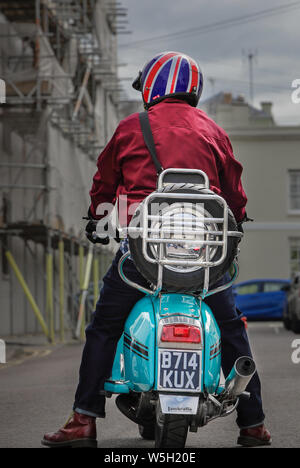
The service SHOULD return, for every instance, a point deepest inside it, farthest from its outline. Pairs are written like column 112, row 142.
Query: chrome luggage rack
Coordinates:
column 169, row 234
column 158, row 234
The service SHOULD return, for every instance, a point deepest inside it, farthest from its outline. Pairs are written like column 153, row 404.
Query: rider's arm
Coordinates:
column 106, row 179
column 230, row 171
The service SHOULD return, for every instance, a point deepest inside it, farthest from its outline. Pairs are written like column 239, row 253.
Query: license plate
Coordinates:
column 174, row 404
column 179, row 370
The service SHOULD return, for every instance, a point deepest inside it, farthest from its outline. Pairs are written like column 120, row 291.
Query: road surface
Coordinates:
column 36, row 396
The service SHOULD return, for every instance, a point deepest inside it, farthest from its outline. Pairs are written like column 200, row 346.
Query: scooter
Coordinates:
column 167, row 367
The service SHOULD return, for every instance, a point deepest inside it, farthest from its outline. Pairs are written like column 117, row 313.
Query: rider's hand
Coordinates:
column 240, row 224
column 91, row 233
column 93, row 236
column 244, row 220
column 240, row 227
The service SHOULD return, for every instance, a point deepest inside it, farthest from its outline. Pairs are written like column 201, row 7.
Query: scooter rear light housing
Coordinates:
column 180, row 333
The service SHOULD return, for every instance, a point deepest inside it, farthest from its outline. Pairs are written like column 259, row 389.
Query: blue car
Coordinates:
column 262, row 299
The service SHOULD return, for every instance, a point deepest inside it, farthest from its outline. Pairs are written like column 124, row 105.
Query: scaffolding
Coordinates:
column 54, row 56
column 60, row 59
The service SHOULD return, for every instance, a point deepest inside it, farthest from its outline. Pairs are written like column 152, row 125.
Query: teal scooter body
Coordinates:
column 136, row 362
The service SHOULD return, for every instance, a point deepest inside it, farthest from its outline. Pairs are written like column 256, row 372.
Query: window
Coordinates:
column 251, row 288
column 273, row 287
column 294, row 190
column 294, row 255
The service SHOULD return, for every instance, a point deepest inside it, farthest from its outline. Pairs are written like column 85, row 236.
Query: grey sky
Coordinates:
column 276, row 39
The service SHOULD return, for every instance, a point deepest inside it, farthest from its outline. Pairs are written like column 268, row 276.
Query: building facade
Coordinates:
column 270, row 155
column 59, row 63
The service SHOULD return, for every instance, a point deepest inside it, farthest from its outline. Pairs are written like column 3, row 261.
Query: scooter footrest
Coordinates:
column 115, row 386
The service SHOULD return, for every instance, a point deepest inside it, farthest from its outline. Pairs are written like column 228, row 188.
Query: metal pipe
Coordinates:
column 170, row 230
column 22, row 165
column 85, row 286
column 227, row 285
column 82, row 90
column 81, row 281
column 37, row 52
column 157, row 240
column 22, row 187
column 182, row 171
column 71, row 276
column 239, row 377
column 61, row 290
column 81, row 260
column 49, row 299
column 27, row 292
column 128, row 281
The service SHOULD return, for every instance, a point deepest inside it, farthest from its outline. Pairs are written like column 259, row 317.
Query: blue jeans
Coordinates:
column 102, row 335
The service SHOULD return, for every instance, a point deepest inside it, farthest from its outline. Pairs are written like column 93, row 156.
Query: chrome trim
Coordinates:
column 238, row 379
column 128, row 281
column 147, row 233
column 174, row 320
column 231, row 410
column 160, row 182
column 220, row 407
column 224, row 286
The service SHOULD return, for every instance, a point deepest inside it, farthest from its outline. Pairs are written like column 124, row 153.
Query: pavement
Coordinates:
column 36, row 396
column 19, row 348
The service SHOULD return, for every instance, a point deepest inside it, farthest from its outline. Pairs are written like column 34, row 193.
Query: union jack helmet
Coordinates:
column 170, row 74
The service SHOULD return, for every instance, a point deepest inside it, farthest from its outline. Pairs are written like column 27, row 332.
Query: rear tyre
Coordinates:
column 295, row 325
column 147, row 432
column 170, row 430
column 287, row 323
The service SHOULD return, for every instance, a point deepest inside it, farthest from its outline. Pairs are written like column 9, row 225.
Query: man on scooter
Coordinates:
column 185, row 137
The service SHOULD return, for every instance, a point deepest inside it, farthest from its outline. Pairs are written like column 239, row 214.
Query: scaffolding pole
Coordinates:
column 82, row 90
column 79, row 329
column 61, row 290
column 81, row 283
column 49, row 293
column 27, row 293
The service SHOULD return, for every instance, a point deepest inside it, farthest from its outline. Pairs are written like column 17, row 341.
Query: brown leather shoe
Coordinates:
column 254, row 437
column 78, row 432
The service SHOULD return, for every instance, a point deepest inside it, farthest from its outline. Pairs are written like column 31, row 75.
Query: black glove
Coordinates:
column 244, row 220
column 90, row 231
column 240, row 227
column 117, row 238
column 92, row 236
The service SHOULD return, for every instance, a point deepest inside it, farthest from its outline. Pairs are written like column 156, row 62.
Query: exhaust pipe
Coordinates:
column 239, row 377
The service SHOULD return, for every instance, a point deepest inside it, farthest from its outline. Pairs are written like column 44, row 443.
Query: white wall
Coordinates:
column 266, row 158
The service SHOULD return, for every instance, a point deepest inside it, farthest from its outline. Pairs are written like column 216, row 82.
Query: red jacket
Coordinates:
column 185, row 137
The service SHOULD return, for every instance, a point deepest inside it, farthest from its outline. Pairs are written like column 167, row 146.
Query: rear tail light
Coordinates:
column 181, row 334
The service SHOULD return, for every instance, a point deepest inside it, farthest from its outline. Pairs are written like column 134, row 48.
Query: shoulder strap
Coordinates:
column 149, row 141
